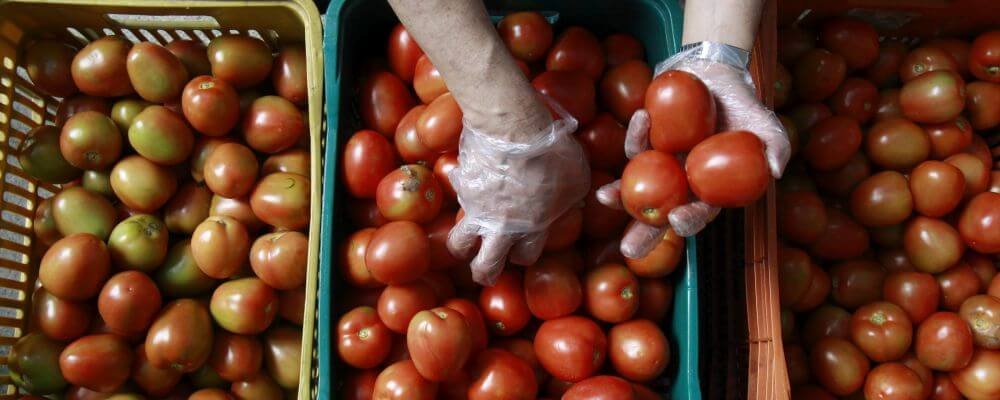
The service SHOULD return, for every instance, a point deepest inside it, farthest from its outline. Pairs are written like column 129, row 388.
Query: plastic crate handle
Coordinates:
column 145, row 21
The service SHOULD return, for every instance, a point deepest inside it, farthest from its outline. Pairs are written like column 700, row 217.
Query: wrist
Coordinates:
column 718, row 52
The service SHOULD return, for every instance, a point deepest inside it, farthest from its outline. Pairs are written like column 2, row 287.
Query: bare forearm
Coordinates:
column 460, row 40
column 733, row 22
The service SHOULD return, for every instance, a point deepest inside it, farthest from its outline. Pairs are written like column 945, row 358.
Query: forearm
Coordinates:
column 459, row 38
column 733, row 22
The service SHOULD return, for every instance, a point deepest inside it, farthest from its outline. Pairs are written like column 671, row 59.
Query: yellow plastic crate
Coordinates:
column 22, row 108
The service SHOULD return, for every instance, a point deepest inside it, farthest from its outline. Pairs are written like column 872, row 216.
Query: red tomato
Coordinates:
column 611, row 293
column 817, row 290
column 399, row 303
column 782, row 86
column 498, row 374
column 638, row 350
column 565, row 230
column 273, row 124
column 884, row 71
column 576, row 49
column 97, row 362
column 818, row 73
column 443, row 166
column 841, row 182
column 652, row 184
column 982, row 103
column 602, row 387
column 408, row 143
column 437, row 233
column 401, row 381
column 359, row 385
column 504, row 305
column 403, row 53
column 843, row 238
column 832, row 142
column 882, row 331
column 410, row 193
column 917, row 293
column 525, row 350
column 894, row 380
column 728, row 169
column 552, row 289
column 856, row 282
column 363, row 340
column 949, row 138
column 384, row 101
column 944, row 342
column 926, row 59
column 958, row 49
column 427, row 81
column 793, row 42
column 572, row 90
column 623, row 88
column 674, row 93
column 826, row 321
column 957, row 284
column 805, row 115
column 621, row 47
column 662, row 260
column 888, row 105
column 477, row 327
column 934, row 97
column 984, row 57
column 604, row 141
column 527, row 34
column 838, row 365
column 856, row 98
column 210, row 105
column 801, row 216
column 882, row 200
column 976, row 173
column 398, row 252
column 571, row 348
column 352, row 260
column 439, row 341
column 854, row 39
column 794, row 276
column 944, row 388
column 932, row 244
column 980, row 379
column 59, row 319
column 979, row 223
column 128, row 303
column 440, row 124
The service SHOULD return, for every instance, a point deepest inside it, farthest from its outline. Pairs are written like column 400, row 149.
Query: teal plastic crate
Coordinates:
column 356, row 30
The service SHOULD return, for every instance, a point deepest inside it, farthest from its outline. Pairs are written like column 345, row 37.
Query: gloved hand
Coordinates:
column 724, row 71
column 511, row 193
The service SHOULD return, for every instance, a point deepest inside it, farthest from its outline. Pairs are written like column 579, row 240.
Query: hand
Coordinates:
column 511, row 192
column 738, row 108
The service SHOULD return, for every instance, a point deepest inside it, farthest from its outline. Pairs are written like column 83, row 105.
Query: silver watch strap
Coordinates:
column 719, row 52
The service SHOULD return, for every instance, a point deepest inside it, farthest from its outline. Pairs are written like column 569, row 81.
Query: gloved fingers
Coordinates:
column 637, row 135
column 462, row 239
column 777, row 146
column 492, row 257
column 527, row 250
column 691, row 218
column 640, row 239
column 610, row 195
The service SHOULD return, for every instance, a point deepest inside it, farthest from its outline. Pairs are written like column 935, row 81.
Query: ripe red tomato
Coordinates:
column 984, row 57
column 894, row 380
column 236, row 357
column 944, row 342
column 638, row 350
column 504, row 305
column 363, row 340
column 855, row 98
column 674, row 93
column 949, row 138
column 399, row 303
column 884, row 71
column 958, row 49
column 854, row 39
column 801, row 216
column 856, row 282
column 220, row 246
column 98, row 362
column 980, row 379
column 842, row 239
column 128, row 303
column 728, row 169
column 832, row 142
column 384, row 101
column 410, row 193
column 525, row 350
column 838, row 365
column 403, row 53
column 441, row 258
column 401, row 381
column 439, row 341
column 817, row 290
column 552, row 289
column 652, row 184
column 621, row 47
column 897, row 144
column 604, row 141
column 571, row 348
column 915, row 292
column 576, row 49
column 273, row 124
column 527, row 34
column 408, row 143
column 926, row 59
column 882, row 330
column 477, row 327
column 932, row 244
column 602, row 387
column 881, row 200
column 230, row 170
column 398, row 252
column 818, row 73
column 888, row 105
column 623, row 88
column 210, row 105
column 826, row 321
column 427, row 80
column 611, row 293
column 983, row 104
column 359, row 385
column 75, row 267
column 572, row 90
column 976, row 173
column 498, row 374
column 59, row 319
column 439, row 126
column 978, row 223
column 957, row 284
column 933, row 97
column 795, row 274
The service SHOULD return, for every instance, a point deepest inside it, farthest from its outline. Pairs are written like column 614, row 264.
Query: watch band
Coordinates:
column 719, row 52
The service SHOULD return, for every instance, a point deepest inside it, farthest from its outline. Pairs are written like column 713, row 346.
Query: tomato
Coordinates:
column 193, row 55
column 818, row 73
column 882, row 331
column 367, row 158
column 211, row 394
column 978, row 221
column 33, row 362
column 179, row 276
column 219, row 246
column 291, row 304
column 238, row 209
column 623, row 88
column 439, row 341
column 795, row 275
column 826, row 321
column 474, row 318
column 260, row 387
column 90, row 140
column 979, row 379
column 399, row 303
column 572, row 90
column 793, row 42
column 894, row 380
column 188, row 207
column 40, row 156
column 918, row 293
column 289, row 75
column 949, row 138
column 981, row 150
column 365, row 214
column 817, row 290
column 995, row 181
column 152, row 380
column 499, row 374
column 576, row 49
column 244, row 306
column 838, row 365
column 944, row 342
column 527, row 35
column 128, row 303
column 855, row 98
column 398, row 252
column 638, row 350
column 653, row 183
column 983, row 267
column 403, row 52
column 273, row 124
column 80, row 103
column 363, row 340
column 881, row 200
column 957, row 284
column 926, row 59
column 856, row 283
column 283, row 355
column 895, row 259
column 243, row 61
column 571, row 348
column 565, row 230
column 57, row 318
column 77, row 210
column 359, row 385
column 884, row 71
column 984, row 57
column 48, row 63
column 842, row 181
column 889, row 237
column 854, row 39
column 231, row 170
column 662, row 260
column 797, row 363
column 156, row 74
column 99, row 69
column 934, row 97
column 602, row 387
column 204, row 147
column 888, row 105
column 728, row 169
column 552, row 289
column 210, row 105
column 611, row 293
column 842, row 239
column 806, row 115
column 384, row 101
column 674, row 93
column 279, row 259
column 296, row 161
column 622, row 47
column 604, row 141
column 181, row 336
column 976, row 173
column 141, row 184
column 427, row 81
column 958, row 49
column 982, row 313
column 932, row 245
column 402, row 381
column 897, row 144
column 801, row 216
column 504, row 306
column 982, row 101
column 75, row 267
column 139, row 242
column 410, row 193
column 282, row 200
column 124, row 111
column 439, row 126
column 944, row 388
column 408, row 143
column 832, row 142
column 782, row 86
column 236, row 357
column 97, row 362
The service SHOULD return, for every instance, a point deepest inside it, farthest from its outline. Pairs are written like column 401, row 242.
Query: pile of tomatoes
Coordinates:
column 889, row 215
column 413, row 324
column 173, row 256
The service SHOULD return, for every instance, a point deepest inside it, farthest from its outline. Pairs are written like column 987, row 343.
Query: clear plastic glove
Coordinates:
column 511, row 193
column 723, row 70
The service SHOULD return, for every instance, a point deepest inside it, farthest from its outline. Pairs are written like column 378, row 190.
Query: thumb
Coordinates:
column 637, row 135
column 689, row 219
column 610, row 195
column 641, row 239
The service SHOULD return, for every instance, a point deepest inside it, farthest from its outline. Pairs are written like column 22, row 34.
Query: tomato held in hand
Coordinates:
column 576, row 49
column 527, row 35
column 943, row 342
column 882, row 330
column 638, row 350
column 818, row 73
column 728, row 169
column 384, row 101
column 838, row 365
column 623, row 88
column 573, row 90
column 675, row 93
column 403, row 53
column 979, row 223
column 662, row 260
column 410, row 193
column 398, row 252
column 832, row 142
column 934, row 97
column 440, row 342
column 571, row 348
column 984, row 57
column 652, row 184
